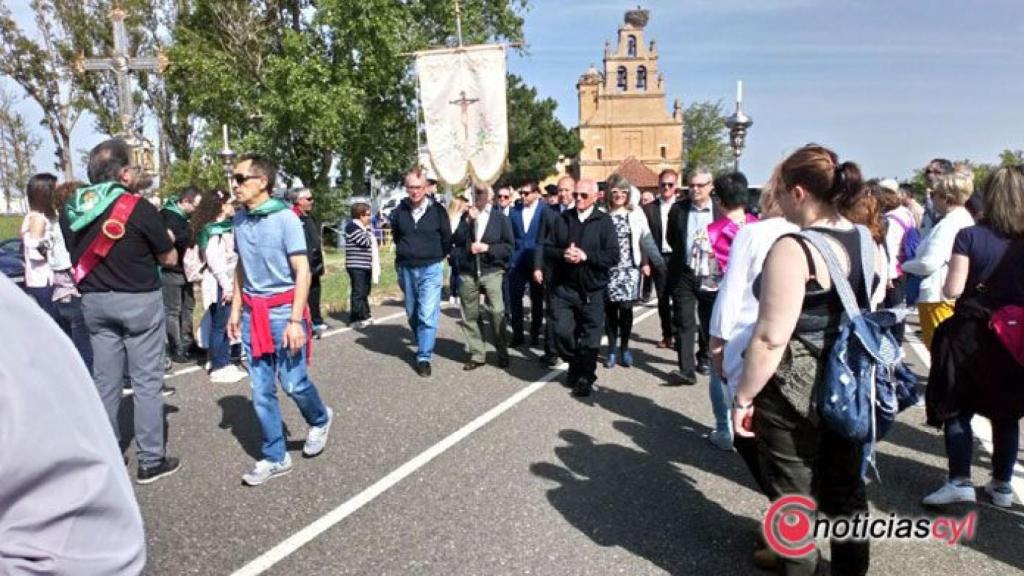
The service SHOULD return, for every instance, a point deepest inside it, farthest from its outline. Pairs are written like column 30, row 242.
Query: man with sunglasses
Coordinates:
column 688, row 219
column 423, row 238
column 657, row 218
column 272, row 281
column 302, row 205
column 503, row 200
column 543, row 268
column 526, row 219
column 583, row 247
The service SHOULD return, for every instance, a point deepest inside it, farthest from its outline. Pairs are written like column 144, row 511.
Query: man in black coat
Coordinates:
column 583, row 247
column 543, row 268
column 686, row 221
column 178, row 292
column 657, row 214
column 302, row 205
column 483, row 244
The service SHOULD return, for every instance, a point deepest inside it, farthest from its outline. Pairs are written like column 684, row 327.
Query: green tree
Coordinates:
column 18, row 146
column 41, row 64
column 536, row 137
column 705, row 137
column 324, row 86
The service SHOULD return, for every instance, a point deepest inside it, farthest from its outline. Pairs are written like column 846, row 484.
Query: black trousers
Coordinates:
column 579, row 322
column 690, row 304
column 894, row 298
column 618, row 324
column 799, row 457
column 664, row 289
column 179, row 301
column 314, row 300
column 518, row 279
column 359, row 299
column 550, row 344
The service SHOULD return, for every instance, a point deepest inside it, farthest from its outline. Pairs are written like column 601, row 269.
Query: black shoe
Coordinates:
column 471, row 365
column 180, row 358
column 516, row 342
column 168, row 391
column 166, row 467
column 582, row 388
column 678, row 378
column 423, row 369
column 534, row 340
column 549, row 360
column 503, row 362
column 703, row 367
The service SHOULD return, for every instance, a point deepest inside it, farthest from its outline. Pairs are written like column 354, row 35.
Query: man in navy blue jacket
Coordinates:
column 423, row 238
column 526, row 219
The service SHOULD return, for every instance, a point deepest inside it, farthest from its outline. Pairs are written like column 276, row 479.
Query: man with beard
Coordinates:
column 116, row 243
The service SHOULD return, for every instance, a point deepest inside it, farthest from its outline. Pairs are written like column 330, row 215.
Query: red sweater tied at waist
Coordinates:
column 261, row 335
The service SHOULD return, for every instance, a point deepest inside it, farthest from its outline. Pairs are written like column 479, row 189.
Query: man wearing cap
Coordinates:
column 116, row 243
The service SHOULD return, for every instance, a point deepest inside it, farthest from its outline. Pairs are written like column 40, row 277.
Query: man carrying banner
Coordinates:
column 116, row 242
column 272, row 280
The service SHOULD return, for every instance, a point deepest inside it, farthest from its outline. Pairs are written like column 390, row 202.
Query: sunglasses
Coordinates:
column 668, row 184
column 583, row 195
column 242, row 178
column 526, row 192
column 504, row 196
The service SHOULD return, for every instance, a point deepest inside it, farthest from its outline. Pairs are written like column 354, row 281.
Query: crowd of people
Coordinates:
column 743, row 298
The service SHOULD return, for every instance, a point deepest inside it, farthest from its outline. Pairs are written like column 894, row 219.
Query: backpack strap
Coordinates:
column 867, row 261
column 839, row 281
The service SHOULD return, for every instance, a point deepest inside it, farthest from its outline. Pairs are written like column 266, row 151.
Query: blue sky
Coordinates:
column 886, row 83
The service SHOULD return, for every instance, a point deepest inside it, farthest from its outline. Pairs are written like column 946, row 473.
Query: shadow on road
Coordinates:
column 238, row 416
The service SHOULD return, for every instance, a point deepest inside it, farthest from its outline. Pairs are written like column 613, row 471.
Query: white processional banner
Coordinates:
column 462, row 92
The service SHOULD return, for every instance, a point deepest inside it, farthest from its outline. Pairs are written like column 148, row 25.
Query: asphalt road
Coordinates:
column 503, row 472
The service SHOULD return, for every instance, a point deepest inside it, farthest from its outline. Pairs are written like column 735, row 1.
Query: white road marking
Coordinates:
column 980, row 425
column 306, row 535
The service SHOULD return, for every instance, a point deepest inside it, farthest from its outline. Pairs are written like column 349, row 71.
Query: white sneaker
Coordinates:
column 316, row 438
column 227, row 375
column 950, row 493
column 1002, row 495
column 265, row 470
column 364, row 323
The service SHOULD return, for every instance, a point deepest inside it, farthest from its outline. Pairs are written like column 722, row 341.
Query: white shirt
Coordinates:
column 894, row 236
column 735, row 311
column 528, row 213
column 481, row 223
column 933, row 254
column 586, row 214
column 697, row 221
column 418, row 212
column 663, row 209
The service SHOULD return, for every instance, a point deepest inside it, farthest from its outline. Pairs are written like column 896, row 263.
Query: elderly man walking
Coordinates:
column 584, row 247
column 116, row 242
column 423, row 238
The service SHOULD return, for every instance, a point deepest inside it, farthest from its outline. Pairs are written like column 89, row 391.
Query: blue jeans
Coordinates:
column 71, row 321
column 719, row 404
column 960, row 444
column 422, row 288
column 291, row 370
column 220, row 346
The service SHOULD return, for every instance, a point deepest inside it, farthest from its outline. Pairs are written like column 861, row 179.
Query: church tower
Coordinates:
column 623, row 116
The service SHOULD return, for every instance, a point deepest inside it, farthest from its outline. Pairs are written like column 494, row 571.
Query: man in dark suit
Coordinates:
column 526, row 222
column 686, row 220
column 657, row 218
column 543, row 268
column 483, row 247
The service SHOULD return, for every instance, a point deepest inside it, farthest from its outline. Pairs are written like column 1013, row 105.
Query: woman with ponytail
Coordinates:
column 211, row 227
column 800, row 315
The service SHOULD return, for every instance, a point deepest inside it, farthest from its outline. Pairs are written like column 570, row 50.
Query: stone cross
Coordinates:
column 464, row 103
column 121, row 63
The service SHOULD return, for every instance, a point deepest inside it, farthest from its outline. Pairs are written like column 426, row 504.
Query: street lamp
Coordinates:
column 227, row 158
column 738, row 125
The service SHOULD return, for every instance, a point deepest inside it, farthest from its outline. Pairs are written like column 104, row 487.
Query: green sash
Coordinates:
column 267, row 208
column 171, row 205
column 212, row 229
column 88, row 203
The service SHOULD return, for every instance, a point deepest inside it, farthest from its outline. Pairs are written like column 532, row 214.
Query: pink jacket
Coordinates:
column 721, row 233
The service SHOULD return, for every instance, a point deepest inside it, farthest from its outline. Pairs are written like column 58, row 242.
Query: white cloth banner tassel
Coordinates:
column 462, row 92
